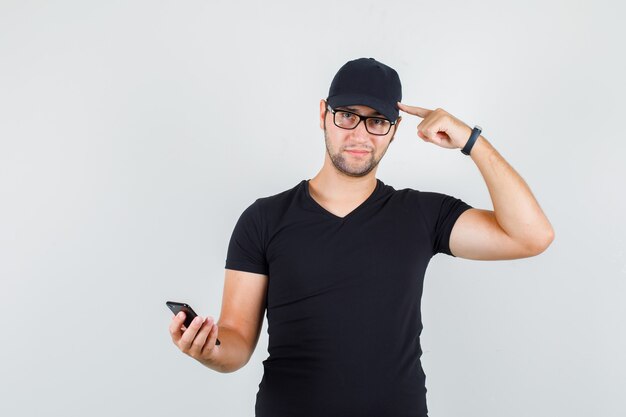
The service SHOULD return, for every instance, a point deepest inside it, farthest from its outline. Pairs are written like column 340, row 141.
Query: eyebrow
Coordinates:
column 352, row 109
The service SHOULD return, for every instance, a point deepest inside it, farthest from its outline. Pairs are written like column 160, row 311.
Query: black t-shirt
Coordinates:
column 343, row 298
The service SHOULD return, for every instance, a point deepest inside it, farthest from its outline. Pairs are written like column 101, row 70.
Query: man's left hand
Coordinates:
column 439, row 127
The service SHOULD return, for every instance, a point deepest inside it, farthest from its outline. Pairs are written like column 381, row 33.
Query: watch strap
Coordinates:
column 472, row 139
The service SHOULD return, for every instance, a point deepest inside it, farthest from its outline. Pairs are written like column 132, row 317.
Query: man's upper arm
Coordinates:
column 476, row 234
column 243, row 304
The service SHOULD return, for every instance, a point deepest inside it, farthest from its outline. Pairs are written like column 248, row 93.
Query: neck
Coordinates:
column 334, row 186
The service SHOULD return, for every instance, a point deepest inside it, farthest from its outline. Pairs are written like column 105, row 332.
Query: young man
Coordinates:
column 338, row 261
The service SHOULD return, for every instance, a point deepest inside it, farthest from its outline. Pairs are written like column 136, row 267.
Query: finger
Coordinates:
column 212, row 339
column 201, row 337
column 422, row 130
column 414, row 110
column 430, row 133
column 187, row 339
column 175, row 327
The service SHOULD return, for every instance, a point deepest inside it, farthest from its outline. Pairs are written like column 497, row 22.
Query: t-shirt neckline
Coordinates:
column 334, row 216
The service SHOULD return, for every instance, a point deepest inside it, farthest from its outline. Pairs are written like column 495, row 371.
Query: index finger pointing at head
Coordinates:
column 414, row 110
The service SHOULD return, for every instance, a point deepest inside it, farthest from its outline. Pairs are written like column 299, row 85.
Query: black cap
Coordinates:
column 367, row 82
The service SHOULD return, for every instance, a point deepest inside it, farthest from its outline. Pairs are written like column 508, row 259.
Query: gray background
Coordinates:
column 133, row 135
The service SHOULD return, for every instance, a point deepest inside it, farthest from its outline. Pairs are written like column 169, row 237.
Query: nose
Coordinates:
column 360, row 130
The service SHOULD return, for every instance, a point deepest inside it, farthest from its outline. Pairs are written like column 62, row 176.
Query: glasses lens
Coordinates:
column 345, row 119
column 375, row 126
column 378, row 126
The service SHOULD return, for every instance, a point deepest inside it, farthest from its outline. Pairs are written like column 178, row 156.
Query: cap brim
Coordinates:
column 390, row 112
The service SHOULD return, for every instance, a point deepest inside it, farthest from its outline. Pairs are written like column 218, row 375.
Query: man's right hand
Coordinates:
column 197, row 341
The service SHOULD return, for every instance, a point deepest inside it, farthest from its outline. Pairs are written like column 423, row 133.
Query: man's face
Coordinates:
column 339, row 142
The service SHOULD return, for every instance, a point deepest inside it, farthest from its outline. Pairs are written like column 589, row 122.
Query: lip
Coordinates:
column 357, row 151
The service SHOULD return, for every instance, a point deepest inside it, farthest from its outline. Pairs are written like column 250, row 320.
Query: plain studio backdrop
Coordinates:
column 133, row 135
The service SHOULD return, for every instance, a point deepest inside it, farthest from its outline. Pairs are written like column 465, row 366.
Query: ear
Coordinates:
column 322, row 113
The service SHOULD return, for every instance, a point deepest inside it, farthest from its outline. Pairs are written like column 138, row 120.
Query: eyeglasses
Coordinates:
column 348, row 120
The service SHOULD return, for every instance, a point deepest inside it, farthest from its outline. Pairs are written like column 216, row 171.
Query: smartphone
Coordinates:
column 177, row 307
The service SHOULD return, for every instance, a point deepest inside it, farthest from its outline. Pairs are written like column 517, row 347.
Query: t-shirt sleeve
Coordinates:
column 246, row 249
column 440, row 213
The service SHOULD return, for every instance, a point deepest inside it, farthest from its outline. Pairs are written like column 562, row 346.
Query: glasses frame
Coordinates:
column 361, row 118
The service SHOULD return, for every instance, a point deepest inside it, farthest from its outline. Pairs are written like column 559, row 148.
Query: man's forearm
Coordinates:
column 517, row 211
column 234, row 352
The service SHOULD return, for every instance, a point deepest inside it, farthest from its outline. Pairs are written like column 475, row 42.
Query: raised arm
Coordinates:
column 516, row 227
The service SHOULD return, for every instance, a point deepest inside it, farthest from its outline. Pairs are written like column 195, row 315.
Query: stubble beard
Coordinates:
column 340, row 163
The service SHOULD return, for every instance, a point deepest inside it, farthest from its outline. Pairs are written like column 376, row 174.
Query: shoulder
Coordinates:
column 260, row 216
column 429, row 204
column 413, row 197
column 269, row 209
column 275, row 201
column 426, row 198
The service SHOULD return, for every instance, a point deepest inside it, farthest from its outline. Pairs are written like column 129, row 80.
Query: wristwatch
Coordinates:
column 472, row 139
